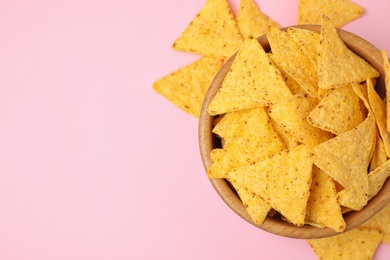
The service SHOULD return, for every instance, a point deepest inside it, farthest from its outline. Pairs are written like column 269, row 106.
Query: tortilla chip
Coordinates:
column 379, row 156
column 248, row 136
column 337, row 64
column 377, row 178
column 289, row 56
column 387, row 83
column 256, row 208
column 291, row 115
column 186, row 87
column 381, row 221
column 212, row 32
column 346, row 158
column 282, row 180
column 338, row 111
column 252, row 81
column 322, row 207
column 357, row 244
column 251, row 20
column 308, row 40
column 340, row 11
column 289, row 140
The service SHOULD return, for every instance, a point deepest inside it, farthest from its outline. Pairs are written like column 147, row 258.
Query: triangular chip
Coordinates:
column 291, row 115
column 186, row 87
column 378, row 107
column 337, row 64
column 256, row 208
column 212, row 32
column 308, row 40
column 377, row 178
column 379, row 156
column 289, row 56
column 282, row 180
column 338, row 111
column 356, row 244
column 322, row 207
column 346, row 158
column 249, row 136
column 288, row 139
column 251, row 20
column 386, row 66
column 381, row 221
column 252, row 81
column 340, row 11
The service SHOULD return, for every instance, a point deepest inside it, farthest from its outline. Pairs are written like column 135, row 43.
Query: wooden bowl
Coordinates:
column 207, row 141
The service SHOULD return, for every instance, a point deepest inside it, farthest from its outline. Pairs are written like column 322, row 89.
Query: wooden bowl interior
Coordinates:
column 207, row 141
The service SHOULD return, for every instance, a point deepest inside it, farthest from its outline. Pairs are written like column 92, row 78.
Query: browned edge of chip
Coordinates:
column 207, row 141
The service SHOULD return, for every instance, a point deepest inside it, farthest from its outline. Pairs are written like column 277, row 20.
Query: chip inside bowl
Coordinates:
column 317, row 152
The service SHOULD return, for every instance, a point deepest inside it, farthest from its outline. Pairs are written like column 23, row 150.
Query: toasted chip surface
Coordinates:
column 282, row 180
column 337, row 64
column 357, row 244
column 386, row 65
column 251, row 20
column 213, row 32
column 289, row 55
column 252, row 81
column 322, row 206
column 186, row 87
column 338, row 111
column 381, row 222
column 340, row 11
column 377, row 178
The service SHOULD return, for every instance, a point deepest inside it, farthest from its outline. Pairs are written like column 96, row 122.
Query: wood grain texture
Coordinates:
column 207, row 142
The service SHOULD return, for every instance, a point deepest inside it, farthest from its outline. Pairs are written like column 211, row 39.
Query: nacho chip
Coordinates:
column 212, row 32
column 338, row 111
column 381, row 221
column 346, row 158
column 357, row 244
column 379, row 156
column 386, row 65
column 282, row 180
column 252, row 81
column 378, row 107
column 256, row 208
column 377, row 178
column 251, row 20
column 289, row 140
column 186, row 87
column 308, row 40
column 340, row 11
column 322, row 206
column 291, row 115
column 337, row 64
column 289, row 56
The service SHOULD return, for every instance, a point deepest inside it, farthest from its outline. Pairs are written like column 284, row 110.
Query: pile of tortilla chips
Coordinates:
column 304, row 135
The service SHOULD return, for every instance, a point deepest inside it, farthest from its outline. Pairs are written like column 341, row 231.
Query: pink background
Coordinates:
column 93, row 163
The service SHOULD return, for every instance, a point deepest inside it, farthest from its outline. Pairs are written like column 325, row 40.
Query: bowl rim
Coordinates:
column 207, row 141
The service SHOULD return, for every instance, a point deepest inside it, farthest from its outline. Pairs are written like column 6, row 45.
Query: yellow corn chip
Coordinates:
column 338, row 111
column 379, row 156
column 251, row 20
column 256, row 208
column 186, row 87
column 356, row 244
column 378, row 107
column 289, row 140
column 212, row 32
column 248, row 137
column 377, row 178
column 340, row 11
column 322, row 206
column 289, row 56
column 337, row 64
column 291, row 115
column 282, row 180
column 308, row 40
column 252, row 81
column 386, row 65
column 346, row 158
column 381, row 222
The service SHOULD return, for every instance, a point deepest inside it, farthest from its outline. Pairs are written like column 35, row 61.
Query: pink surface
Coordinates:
column 93, row 163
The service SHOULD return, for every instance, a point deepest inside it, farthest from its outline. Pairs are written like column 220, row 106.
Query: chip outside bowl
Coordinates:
column 208, row 141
